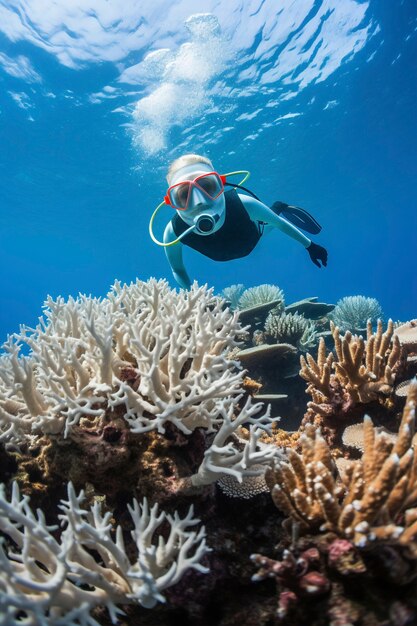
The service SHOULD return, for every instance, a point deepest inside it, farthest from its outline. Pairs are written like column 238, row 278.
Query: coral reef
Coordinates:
column 353, row 312
column 141, row 396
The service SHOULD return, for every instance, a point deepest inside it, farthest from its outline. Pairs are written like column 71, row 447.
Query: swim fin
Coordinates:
column 297, row 216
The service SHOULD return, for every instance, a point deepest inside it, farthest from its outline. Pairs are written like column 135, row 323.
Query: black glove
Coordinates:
column 317, row 253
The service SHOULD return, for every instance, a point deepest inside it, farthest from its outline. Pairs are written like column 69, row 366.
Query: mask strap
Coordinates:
column 244, row 179
column 169, row 243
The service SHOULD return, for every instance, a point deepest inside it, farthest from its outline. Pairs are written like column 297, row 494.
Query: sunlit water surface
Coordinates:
column 315, row 98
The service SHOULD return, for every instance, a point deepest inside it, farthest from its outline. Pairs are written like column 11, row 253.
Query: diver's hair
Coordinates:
column 182, row 161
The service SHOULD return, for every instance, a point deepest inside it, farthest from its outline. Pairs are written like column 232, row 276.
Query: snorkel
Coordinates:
column 208, row 213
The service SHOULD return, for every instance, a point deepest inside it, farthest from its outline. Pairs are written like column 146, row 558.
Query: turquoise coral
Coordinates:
column 261, row 295
column 353, row 312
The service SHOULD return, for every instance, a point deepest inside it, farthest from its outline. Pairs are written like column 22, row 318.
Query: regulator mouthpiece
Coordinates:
column 206, row 223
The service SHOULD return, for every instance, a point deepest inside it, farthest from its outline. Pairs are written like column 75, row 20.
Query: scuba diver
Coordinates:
column 223, row 224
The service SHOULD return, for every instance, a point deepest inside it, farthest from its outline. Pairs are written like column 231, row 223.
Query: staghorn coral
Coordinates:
column 118, row 385
column 375, row 502
column 89, row 355
column 290, row 328
column 350, row 551
column 353, row 312
column 260, row 295
column 228, row 454
column 359, row 371
column 50, row 581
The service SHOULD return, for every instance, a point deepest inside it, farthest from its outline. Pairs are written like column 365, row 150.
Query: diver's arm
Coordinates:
column 258, row 211
column 174, row 256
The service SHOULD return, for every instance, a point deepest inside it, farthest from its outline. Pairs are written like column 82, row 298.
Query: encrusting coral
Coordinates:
column 50, row 581
column 358, row 372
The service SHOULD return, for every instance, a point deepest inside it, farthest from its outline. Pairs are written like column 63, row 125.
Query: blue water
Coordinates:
column 318, row 101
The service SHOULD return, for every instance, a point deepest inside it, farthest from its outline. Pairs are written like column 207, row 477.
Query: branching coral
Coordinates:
column 232, row 456
column 290, row 328
column 45, row 580
column 375, row 502
column 104, row 373
column 359, row 371
column 260, row 295
column 353, row 312
column 88, row 355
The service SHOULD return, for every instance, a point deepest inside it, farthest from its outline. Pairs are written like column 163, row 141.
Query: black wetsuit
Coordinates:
column 235, row 239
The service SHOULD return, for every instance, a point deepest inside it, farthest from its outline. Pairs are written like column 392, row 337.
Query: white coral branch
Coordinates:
column 231, row 455
column 43, row 578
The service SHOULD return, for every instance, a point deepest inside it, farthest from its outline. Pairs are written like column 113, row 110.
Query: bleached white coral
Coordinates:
column 229, row 454
column 48, row 581
column 85, row 353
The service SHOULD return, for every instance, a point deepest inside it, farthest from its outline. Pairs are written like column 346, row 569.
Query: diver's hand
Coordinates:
column 317, row 253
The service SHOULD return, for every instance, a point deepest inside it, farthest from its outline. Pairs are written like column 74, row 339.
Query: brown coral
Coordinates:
column 358, row 372
column 375, row 502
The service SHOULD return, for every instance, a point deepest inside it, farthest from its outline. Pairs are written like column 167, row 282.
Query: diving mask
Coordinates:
column 211, row 186
column 199, row 200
